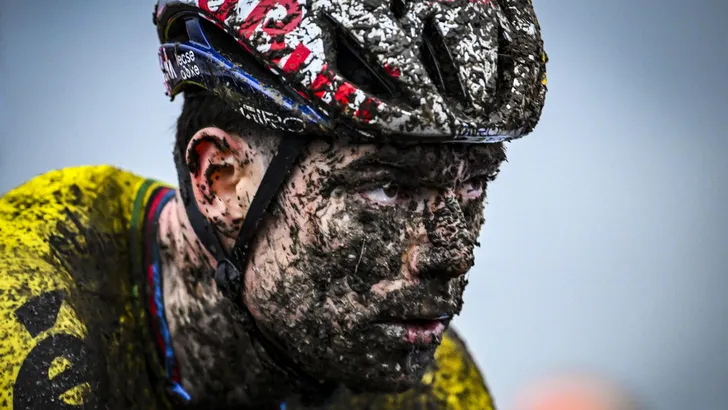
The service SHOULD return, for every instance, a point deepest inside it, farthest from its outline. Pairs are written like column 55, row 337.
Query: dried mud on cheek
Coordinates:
column 356, row 246
column 333, row 293
column 334, row 338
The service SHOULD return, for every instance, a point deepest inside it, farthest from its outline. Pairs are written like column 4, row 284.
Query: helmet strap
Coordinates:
column 228, row 276
column 230, row 264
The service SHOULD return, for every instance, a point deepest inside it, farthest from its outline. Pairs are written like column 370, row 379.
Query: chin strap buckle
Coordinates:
column 228, row 279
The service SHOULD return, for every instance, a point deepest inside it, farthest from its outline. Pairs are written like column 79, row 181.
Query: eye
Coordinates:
column 386, row 194
column 473, row 188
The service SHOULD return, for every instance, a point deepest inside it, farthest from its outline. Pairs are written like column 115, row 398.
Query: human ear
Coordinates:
column 225, row 172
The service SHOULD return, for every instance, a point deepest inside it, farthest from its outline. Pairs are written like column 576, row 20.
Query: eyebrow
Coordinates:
column 407, row 171
column 421, row 166
column 411, row 164
column 370, row 161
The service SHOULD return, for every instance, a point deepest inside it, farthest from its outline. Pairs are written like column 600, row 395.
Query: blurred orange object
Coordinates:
column 575, row 392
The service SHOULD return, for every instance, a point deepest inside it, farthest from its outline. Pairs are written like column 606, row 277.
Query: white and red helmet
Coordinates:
column 408, row 70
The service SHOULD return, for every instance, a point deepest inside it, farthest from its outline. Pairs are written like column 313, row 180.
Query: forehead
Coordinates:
column 428, row 162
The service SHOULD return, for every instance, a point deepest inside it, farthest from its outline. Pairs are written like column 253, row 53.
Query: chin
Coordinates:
column 394, row 384
column 395, row 372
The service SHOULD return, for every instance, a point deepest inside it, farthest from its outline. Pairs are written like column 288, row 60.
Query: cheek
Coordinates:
column 290, row 267
column 332, row 225
column 372, row 247
column 473, row 211
column 270, row 271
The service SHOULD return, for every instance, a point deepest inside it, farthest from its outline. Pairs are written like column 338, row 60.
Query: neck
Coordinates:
column 219, row 361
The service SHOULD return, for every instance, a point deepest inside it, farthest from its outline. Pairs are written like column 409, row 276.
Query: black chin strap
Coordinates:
column 228, row 277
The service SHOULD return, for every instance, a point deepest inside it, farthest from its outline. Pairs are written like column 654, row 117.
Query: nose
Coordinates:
column 450, row 246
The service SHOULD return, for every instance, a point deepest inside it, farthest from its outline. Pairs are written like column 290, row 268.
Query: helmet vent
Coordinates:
column 439, row 63
column 177, row 31
column 354, row 67
column 398, row 8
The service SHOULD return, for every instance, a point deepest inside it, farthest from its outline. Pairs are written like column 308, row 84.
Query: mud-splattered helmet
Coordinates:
column 378, row 70
column 437, row 70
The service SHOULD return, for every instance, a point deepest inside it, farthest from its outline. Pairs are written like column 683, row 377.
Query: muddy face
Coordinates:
column 361, row 265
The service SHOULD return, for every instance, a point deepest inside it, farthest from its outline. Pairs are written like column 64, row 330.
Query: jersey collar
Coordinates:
column 150, row 200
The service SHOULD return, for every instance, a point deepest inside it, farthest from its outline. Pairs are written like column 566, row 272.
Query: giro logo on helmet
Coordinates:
column 269, row 119
column 468, row 131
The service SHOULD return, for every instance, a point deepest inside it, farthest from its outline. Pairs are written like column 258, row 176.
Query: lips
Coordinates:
column 416, row 315
column 420, row 332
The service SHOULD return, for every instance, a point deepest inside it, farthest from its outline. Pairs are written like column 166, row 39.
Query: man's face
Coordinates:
column 362, row 263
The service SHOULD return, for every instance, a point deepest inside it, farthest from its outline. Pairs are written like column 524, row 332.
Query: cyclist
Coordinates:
column 333, row 159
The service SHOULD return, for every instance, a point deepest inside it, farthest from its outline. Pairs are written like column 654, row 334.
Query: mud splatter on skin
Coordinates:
column 331, row 265
column 328, row 264
column 220, row 363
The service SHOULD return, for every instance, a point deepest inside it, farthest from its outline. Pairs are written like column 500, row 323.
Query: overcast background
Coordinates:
column 605, row 245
